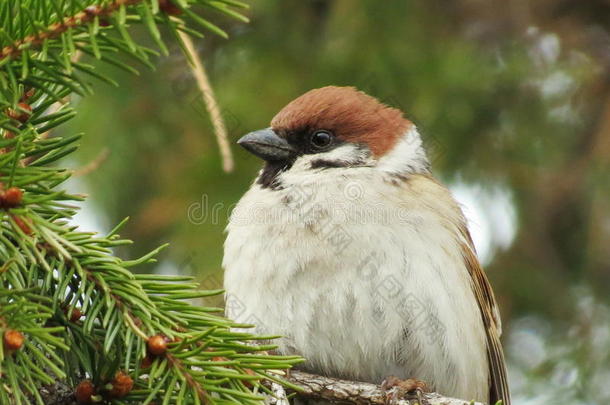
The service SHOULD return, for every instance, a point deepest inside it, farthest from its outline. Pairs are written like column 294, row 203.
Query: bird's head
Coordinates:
column 337, row 127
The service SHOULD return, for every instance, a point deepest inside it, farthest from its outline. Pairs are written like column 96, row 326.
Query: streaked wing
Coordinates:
column 491, row 319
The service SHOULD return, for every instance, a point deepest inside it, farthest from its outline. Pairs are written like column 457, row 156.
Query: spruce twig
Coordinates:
column 72, row 314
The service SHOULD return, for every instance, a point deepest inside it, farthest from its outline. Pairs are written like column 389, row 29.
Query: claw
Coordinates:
column 397, row 389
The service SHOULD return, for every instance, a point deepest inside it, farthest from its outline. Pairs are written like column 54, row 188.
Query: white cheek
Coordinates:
column 407, row 156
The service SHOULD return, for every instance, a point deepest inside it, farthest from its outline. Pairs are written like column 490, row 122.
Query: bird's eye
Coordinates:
column 321, row 139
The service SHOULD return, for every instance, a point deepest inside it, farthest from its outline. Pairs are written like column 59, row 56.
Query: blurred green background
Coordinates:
column 511, row 96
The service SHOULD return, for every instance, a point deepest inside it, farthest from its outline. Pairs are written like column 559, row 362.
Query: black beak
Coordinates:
column 267, row 145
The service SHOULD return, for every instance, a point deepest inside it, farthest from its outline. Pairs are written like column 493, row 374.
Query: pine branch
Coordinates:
column 71, row 312
column 54, row 30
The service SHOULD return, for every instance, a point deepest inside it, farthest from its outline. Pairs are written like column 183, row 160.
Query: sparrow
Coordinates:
column 349, row 249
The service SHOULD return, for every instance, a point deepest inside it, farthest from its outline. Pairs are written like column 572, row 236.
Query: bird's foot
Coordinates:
column 410, row 389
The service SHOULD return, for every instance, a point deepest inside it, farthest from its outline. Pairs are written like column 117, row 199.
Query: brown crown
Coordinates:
column 350, row 114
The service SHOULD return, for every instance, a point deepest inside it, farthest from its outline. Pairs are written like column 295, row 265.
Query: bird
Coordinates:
column 347, row 247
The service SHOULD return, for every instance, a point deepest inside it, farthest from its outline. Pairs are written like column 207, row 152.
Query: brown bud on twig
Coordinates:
column 22, row 113
column 146, row 362
column 248, row 383
column 157, row 345
column 169, row 8
column 7, row 135
column 22, row 224
column 11, row 198
column 27, row 95
column 13, row 340
column 84, row 392
column 76, row 314
column 121, row 385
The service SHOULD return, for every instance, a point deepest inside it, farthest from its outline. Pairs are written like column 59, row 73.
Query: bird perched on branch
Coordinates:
column 349, row 248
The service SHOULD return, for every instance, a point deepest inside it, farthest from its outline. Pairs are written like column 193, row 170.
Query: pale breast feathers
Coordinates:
column 315, row 295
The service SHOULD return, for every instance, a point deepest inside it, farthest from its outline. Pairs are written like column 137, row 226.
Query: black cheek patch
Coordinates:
column 327, row 164
column 359, row 162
